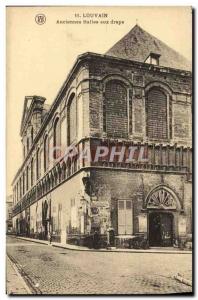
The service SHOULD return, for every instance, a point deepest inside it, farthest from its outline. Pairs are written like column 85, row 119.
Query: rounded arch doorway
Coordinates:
column 162, row 206
column 160, row 229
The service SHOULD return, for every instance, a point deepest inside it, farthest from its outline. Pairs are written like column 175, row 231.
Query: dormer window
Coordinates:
column 153, row 59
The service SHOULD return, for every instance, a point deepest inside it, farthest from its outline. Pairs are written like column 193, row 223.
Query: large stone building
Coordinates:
column 136, row 95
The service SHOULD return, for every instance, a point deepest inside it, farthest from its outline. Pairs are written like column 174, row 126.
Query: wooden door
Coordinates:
column 155, row 229
column 167, row 229
column 160, row 229
column 125, row 220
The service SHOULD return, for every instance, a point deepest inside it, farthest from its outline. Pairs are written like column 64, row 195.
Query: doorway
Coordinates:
column 160, row 229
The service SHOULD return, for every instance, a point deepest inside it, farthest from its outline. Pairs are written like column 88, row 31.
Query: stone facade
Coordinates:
column 9, row 206
column 108, row 101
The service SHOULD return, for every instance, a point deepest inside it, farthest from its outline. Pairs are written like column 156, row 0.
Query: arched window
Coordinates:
column 17, row 192
column 32, row 172
column 56, row 138
column 27, row 178
column 46, row 153
column 115, row 112
column 23, row 182
column 71, row 119
column 37, row 164
column 20, row 184
column 157, row 116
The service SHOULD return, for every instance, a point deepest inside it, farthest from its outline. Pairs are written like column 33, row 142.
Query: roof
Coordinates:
column 138, row 44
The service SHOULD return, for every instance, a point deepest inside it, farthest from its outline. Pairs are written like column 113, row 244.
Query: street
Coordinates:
column 52, row 270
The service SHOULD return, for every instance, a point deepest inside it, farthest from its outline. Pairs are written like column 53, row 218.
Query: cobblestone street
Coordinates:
column 52, row 270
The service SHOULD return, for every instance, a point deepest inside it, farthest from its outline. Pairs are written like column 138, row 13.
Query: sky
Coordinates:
column 39, row 57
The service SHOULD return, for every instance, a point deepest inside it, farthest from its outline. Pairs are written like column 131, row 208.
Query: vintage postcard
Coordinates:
column 99, row 150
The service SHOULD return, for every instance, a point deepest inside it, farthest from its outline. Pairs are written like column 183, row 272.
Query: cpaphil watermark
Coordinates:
column 121, row 154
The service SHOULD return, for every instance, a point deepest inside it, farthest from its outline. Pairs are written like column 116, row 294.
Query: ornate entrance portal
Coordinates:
column 162, row 204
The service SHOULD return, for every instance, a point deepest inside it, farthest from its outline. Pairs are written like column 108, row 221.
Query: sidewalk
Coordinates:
column 82, row 248
column 15, row 284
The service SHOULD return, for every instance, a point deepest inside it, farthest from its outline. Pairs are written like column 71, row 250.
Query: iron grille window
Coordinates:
column 115, row 111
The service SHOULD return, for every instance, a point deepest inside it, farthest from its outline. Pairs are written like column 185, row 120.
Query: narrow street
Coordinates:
column 51, row 270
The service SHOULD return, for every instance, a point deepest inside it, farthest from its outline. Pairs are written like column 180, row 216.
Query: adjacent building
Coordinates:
column 139, row 95
column 9, row 207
